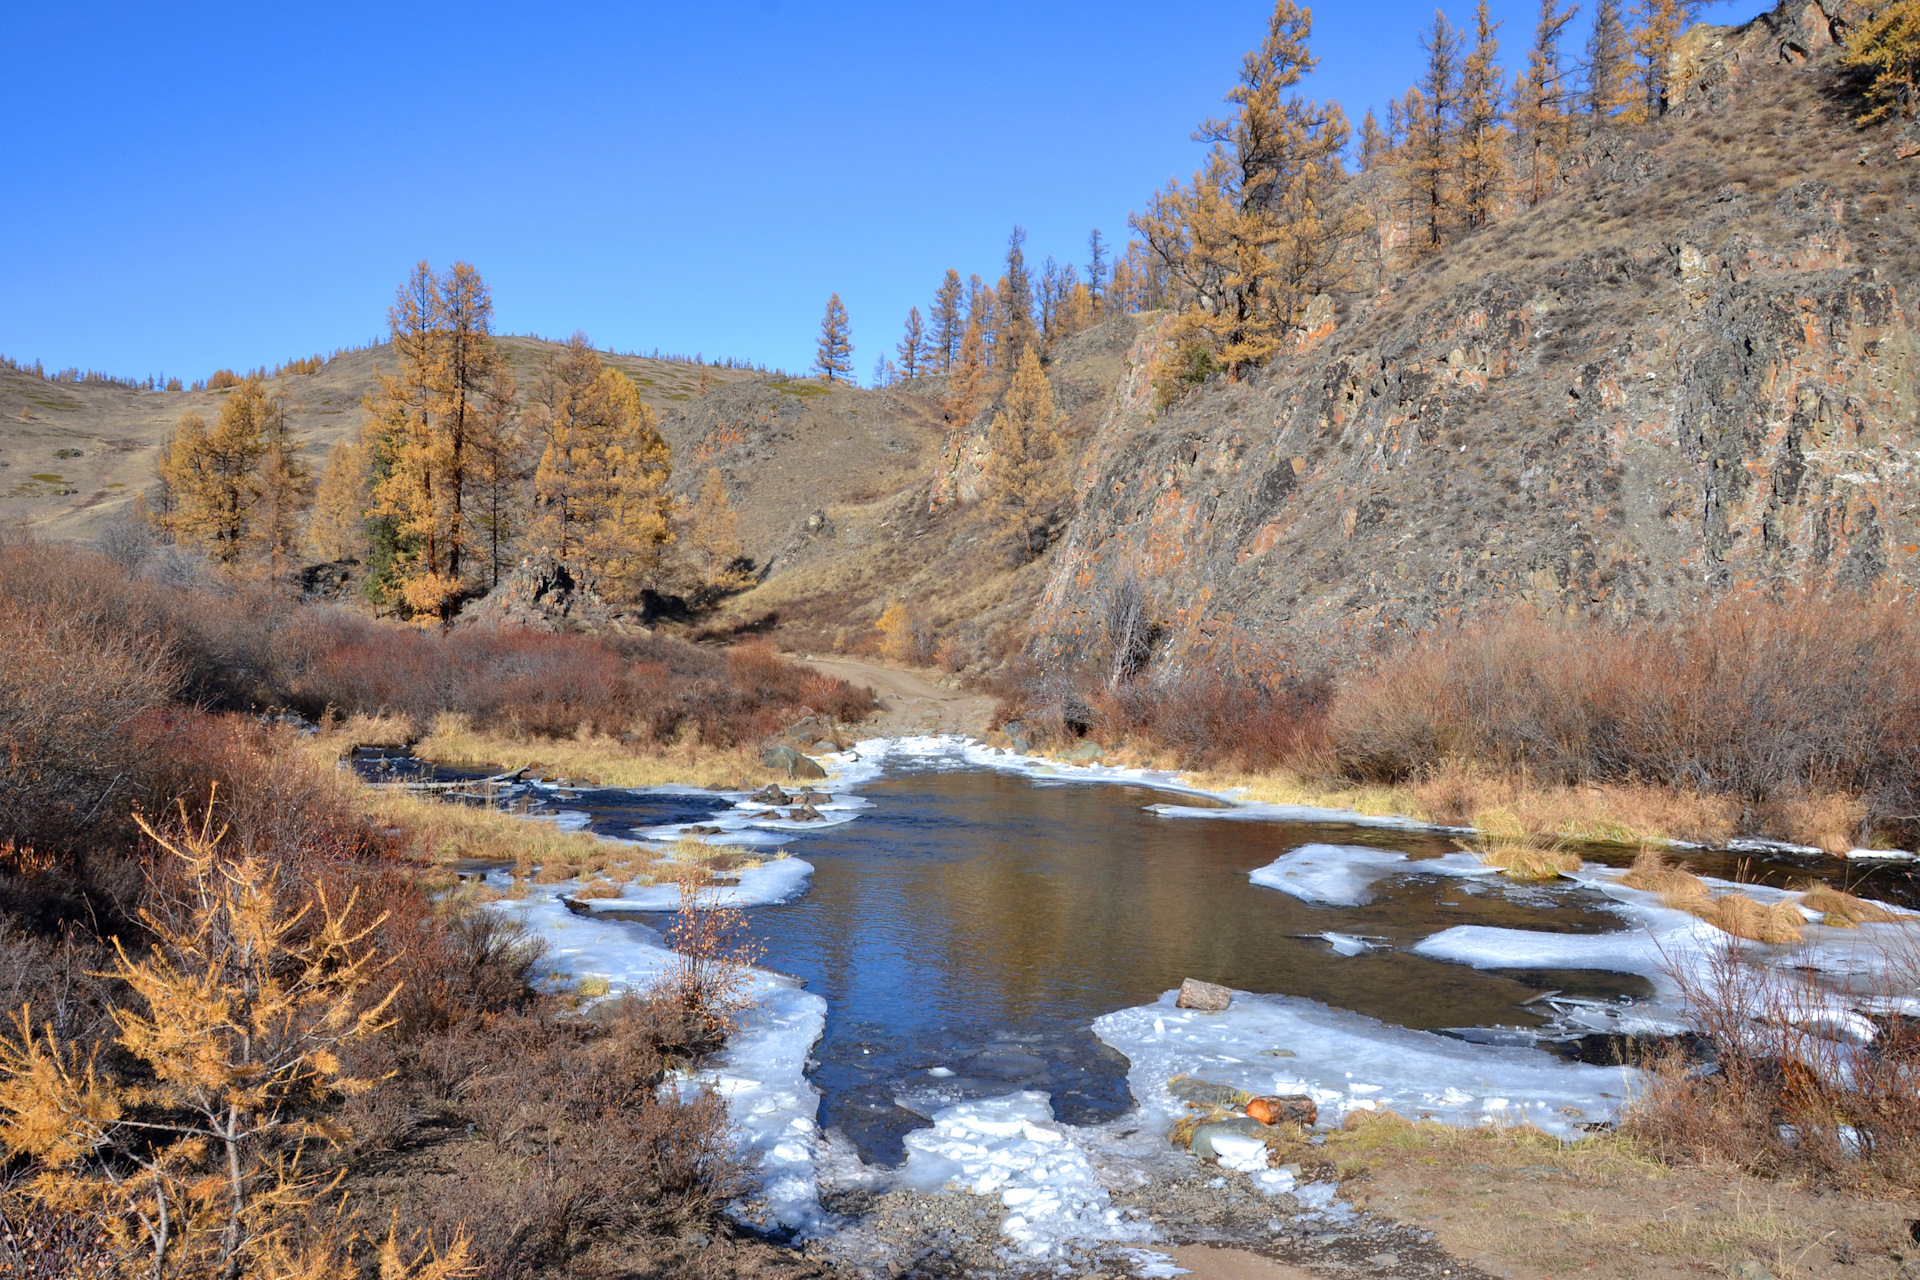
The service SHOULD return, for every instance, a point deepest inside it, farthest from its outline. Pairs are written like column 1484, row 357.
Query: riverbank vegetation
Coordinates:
column 1793, row 717
column 252, row 1026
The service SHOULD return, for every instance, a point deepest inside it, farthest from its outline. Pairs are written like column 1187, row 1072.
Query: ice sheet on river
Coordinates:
column 1343, row 875
column 1346, row 1062
column 776, row 880
column 762, row 1071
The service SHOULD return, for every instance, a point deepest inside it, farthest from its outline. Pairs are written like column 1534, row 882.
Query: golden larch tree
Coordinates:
column 1656, row 34
column 1610, row 81
column 948, row 322
column 1484, row 173
column 1430, row 113
column 213, row 477
column 1026, row 477
column 833, row 357
column 967, row 385
column 1540, row 114
column 913, row 346
column 285, row 483
column 187, row 1144
column 714, row 531
column 1887, row 46
column 337, row 529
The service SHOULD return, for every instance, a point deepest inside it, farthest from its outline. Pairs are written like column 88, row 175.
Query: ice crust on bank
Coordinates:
column 1013, row 1148
column 776, row 880
column 761, row 1073
column 1346, row 1062
column 751, row 822
column 1343, row 875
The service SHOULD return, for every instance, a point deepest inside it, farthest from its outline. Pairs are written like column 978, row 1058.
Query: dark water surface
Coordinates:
column 978, row 922
column 975, row 923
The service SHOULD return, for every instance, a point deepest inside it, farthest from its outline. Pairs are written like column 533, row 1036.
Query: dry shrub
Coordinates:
column 1791, row 1088
column 1253, row 712
column 1761, row 699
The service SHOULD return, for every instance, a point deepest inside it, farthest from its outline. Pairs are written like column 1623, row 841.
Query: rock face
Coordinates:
column 543, row 593
column 1690, row 371
column 1210, row 996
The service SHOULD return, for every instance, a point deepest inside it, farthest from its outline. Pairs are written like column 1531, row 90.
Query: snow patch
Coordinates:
column 776, row 880
column 1343, row 875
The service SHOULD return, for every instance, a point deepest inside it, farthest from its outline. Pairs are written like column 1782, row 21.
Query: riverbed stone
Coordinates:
column 795, row 764
column 1201, row 1144
column 1205, row 1093
column 1210, row 997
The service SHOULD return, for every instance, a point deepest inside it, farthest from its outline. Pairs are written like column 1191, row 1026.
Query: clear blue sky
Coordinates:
column 193, row 186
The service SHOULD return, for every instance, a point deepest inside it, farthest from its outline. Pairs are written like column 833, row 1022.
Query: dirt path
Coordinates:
column 910, row 703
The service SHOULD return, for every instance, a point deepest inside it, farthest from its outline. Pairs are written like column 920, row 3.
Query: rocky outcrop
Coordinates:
column 545, row 594
column 1678, row 377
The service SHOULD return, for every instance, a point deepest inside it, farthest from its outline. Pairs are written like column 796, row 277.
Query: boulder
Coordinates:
column 805, row 813
column 544, row 594
column 769, row 794
column 1204, row 1093
column 1208, row 996
column 795, row 764
column 812, row 797
column 1290, row 1108
column 1201, row 1144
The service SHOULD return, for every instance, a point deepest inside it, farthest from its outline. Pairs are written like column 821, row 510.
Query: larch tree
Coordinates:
column 1025, row 480
column 983, row 313
column 285, row 485
column 337, row 528
column 428, row 425
column 1374, row 147
column 213, row 476
column 948, row 322
column 714, row 531
column 913, row 346
column 1656, row 34
column 1484, row 173
column 1098, row 271
column 1887, row 47
column 1610, row 88
column 1017, row 328
column 833, row 359
column 1540, row 115
column 1431, row 112
column 967, row 386
column 1260, row 229
column 600, row 487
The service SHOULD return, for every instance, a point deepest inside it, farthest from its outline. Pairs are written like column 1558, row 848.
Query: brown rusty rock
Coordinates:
column 1293, row 1108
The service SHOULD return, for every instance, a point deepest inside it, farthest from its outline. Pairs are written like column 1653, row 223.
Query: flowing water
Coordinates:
column 967, row 929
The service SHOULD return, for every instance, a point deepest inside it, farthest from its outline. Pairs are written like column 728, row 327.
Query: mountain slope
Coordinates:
column 1690, row 371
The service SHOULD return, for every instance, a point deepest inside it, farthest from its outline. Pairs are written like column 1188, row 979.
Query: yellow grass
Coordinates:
column 1653, row 873
column 597, row 761
column 372, row 731
column 1523, row 857
column 1845, row 911
column 1457, row 795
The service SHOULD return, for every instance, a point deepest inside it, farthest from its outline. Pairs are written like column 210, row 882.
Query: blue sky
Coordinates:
column 190, row 186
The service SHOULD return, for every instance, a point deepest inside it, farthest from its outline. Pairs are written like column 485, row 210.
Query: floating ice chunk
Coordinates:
column 1152, row 1266
column 1274, row 1181
column 1881, row 855
column 1253, row 811
column 1343, row 875
column 776, row 880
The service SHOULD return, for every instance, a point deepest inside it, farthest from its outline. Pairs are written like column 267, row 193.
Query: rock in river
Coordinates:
column 1209, row 996
column 1292, row 1108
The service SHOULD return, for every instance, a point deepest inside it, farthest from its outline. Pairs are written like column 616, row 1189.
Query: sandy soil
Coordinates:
column 910, row 702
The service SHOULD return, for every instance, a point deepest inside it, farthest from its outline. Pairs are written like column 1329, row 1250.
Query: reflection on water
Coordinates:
column 975, row 924
column 967, row 929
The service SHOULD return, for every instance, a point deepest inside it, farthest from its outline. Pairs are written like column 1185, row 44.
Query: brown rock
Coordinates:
column 1210, row 996
column 1290, row 1108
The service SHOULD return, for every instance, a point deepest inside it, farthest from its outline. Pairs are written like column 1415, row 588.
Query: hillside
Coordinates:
column 1688, row 372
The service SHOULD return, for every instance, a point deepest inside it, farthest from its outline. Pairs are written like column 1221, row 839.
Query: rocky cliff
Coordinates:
column 1689, row 371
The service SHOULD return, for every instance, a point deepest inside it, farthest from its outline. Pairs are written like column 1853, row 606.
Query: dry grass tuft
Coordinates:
column 1743, row 917
column 1843, row 910
column 1524, row 858
column 1653, row 873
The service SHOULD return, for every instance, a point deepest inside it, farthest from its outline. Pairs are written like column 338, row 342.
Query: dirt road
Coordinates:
column 910, row 702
